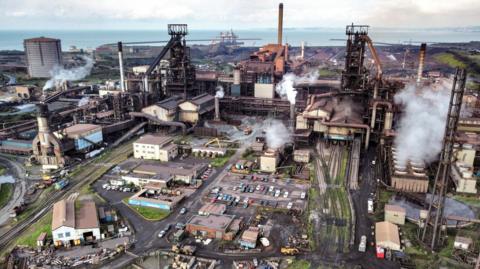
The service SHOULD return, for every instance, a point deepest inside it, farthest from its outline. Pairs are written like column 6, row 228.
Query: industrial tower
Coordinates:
column 434, row 229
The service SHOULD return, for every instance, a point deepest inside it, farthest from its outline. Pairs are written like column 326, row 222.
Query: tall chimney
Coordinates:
column 217, row 108
column 280, row 23
column 421, row 61
column 120, row 64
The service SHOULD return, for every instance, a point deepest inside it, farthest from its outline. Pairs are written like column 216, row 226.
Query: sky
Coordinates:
column 236, row 14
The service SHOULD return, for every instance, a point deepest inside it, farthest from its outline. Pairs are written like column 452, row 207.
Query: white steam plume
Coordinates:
column 422, row 126
column 83, row 101
column 277, row 135
column 220, row 92
column 60, row 75
column 285, row 88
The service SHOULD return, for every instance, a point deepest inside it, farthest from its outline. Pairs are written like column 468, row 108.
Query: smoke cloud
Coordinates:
column 277, row 135
column 83, row 101
column 60, row 75
column 286, row 87
column 220, row 93
column 422, row 126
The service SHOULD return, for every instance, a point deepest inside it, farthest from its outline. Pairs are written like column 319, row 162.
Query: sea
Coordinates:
column 90, row 39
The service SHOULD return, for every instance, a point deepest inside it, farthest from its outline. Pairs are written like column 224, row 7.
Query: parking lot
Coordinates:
column 258, row 189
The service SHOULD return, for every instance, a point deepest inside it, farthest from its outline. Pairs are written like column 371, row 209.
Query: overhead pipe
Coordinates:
column 351, row 125
column 374, row 110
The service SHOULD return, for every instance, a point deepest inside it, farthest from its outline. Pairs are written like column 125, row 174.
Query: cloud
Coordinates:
column 219, row 14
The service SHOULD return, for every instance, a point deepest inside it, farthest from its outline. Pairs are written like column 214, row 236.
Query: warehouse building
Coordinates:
column 395, row 214
column 269, row 161
column 16, row 146
column 151, row 172
column 387, row 236
column 464, row 178
column 165, row 110
column 70, row 226
column 152, row 147
column 42, row 55
column 249, row 238
column 301, row 156
column 85, row 136
column 211, row 226
column 192, row 110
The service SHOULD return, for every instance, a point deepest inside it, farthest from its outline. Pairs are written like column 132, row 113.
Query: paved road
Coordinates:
column 363, row 222
column 18, row 172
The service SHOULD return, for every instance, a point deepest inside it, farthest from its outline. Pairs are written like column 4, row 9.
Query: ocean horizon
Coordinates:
column 89, row 39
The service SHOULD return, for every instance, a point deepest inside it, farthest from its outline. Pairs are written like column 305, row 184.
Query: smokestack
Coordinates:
column 120, row 64
column 302, row 50
column 280, row 23
column 217, row 108
column 421, row 61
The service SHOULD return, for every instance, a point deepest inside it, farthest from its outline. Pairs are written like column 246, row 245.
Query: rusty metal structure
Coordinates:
column 434, row 230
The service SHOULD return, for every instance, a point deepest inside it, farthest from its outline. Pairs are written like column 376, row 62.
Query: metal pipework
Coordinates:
column 280, row 24
column 421, row 61
column 217, row 109
column 292, row 116
column 120, row 64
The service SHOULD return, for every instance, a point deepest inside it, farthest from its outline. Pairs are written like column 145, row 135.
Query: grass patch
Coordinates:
column 29, row 237
column 6, row 191
column 2, row 170
column 299, row 264
column 221, row 161
column 149, row 213
column 449, row 59
column 326, row 73
column 469, row 200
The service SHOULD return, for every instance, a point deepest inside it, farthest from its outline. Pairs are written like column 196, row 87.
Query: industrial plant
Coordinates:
column 352, row 161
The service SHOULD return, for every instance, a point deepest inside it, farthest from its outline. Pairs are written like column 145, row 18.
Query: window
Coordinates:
column 67, row 234
column 60, row 235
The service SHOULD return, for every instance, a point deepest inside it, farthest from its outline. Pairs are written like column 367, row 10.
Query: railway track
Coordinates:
column 333, row 234
column 84, row 177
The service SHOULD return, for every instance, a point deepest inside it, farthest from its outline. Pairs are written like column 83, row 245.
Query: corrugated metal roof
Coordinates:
column 386, row 231
column 153, row 139
column 63, row 214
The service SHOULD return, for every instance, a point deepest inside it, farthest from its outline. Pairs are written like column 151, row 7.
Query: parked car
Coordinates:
column 289, row 205
column 161, row 234
column 303, row 195
column 180, row 225
column 183, row 210
column 285, row 194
